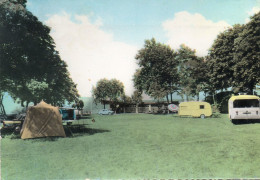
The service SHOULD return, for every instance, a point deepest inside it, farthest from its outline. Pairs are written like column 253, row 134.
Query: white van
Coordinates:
column 244, row 107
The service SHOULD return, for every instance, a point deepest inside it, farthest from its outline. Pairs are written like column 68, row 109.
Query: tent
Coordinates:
column 42, row 120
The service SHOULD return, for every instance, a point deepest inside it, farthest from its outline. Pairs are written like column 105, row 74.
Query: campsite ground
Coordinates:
column 138, row 146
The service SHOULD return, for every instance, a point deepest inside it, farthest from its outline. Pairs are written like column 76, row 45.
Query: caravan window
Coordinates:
column 201, row 106
column 245, row 103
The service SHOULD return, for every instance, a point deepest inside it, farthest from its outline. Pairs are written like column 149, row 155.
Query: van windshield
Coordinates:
column 245, row 103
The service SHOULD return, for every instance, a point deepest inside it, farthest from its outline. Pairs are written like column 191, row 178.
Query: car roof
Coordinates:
column 243, row 97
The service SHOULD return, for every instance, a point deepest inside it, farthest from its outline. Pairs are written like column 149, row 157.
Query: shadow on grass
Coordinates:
column 70, row 131
column 81, row 130
column 10, row 132
column 247, row 121
column 85, row 117
column 164, row 114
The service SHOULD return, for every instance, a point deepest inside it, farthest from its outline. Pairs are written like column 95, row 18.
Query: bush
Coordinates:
column 216, row 114
column 221, row 100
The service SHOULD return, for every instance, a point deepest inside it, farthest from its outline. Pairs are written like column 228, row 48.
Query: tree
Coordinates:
column 221, row 61
column 200, row 74
column 137, row 97
column 100, row 93
column 156, row 75
column 2, row 108
column 125, row 100
column 189, row 70
column 79, row 105
column 116, row 90
column 234, row 58
column 30, row 67
column 109, row 90
column 247, row 56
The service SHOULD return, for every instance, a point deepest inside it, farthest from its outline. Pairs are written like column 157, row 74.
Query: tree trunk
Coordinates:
column 22, row 103
column 187, row 97
column 214, row 101
column 2, row 105
column 167, row 98
column 104, row 106
column 252, row 89
column 171, row 97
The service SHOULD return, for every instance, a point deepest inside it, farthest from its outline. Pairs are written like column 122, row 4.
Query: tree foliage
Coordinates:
column 162, row 71
column 108, row 90
column 190, row 70
column 221, row 59
column 126, row 99
column 233, row 61
column 30, row 67
column 156, row 75
column 247, row 56
column 137, row 97
column 234, row 58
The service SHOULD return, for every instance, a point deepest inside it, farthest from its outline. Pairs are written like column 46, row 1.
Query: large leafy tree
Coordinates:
column 190, row 70
column 108, row 90
column 30, row 67
column 234, row 58
column 247, row 56
column 100, row 92
column 156, row 75
column 221, row 61
column 200, row 73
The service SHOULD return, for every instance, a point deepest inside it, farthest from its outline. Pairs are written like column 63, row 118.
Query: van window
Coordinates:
column 244, row 103
column 202, row 107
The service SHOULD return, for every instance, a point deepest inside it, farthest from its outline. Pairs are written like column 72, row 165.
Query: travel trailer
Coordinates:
column 195, row 109
column 244, row 107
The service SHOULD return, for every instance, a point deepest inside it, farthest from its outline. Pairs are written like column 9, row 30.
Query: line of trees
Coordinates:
column 163, row 71
column 234, row 59
column 30, row 68
column 233, row 62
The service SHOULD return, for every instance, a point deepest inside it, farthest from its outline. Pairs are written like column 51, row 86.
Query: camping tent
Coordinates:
column 42, row 120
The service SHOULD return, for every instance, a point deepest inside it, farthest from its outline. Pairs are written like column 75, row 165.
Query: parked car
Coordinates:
column 105, row 112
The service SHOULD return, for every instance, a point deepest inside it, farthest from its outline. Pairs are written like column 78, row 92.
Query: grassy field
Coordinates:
column 138, row 146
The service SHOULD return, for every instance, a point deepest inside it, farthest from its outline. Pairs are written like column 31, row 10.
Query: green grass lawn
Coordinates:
column 138, row 146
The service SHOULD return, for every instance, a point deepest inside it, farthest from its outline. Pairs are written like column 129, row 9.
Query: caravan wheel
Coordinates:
column 202, row 116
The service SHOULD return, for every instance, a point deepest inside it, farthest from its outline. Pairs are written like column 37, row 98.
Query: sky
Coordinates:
column 100, row 38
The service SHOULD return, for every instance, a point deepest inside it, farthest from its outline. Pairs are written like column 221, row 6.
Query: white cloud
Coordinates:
column 253, row 11
column 92, row 53
column 193, row 30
